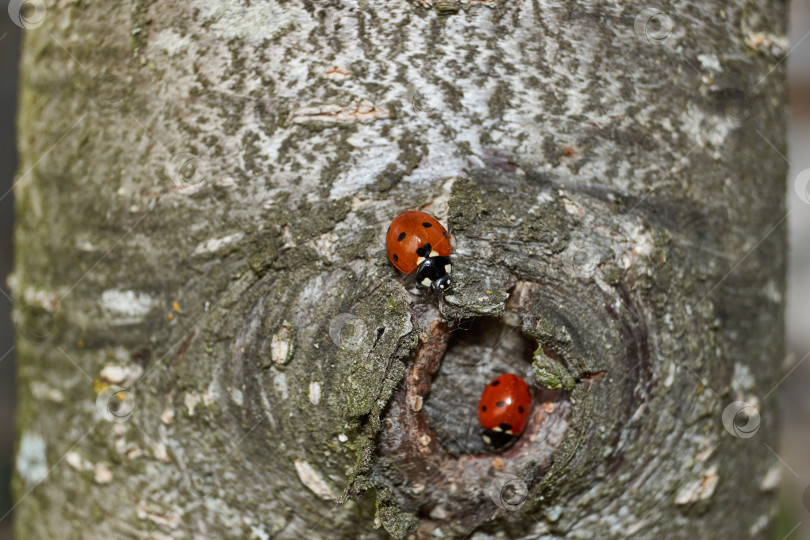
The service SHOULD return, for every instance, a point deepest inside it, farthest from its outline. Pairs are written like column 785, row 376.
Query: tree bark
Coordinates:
column 212, row 342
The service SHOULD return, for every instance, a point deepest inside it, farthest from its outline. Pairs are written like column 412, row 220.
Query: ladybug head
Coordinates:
column 443, row 283
column 498, row 440
column 434, row 272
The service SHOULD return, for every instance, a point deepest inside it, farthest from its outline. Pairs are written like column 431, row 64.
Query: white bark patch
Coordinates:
column 259, row 533
column 32, row 464
column 167, row 416
column 771, row 292
column 209, row 395
column 571, row 207
column 707, row 451
column 212, row 245
column 670, row 376
column 315, row 393
column 286, row 235
column 364, row 111
column 439, row 207
column 325, row 245
column 190, row 400
column 772, row 478
column 102, row 474
column 41, row 390
column 125, row 306
column 47, row 300
column 708, row 132
column 160, row 453
column 101, row 471
column 776, row 45
column 282, row 346
column 280, row 383
column 641, row 246
column 170, row 41
column 254, row 22
column 639, row 412
column 439, row 512
column 77, row 462
column 710, row 63
column 121, row 375
column 699, row 489
column 743, row 380
column 758, row 526
column 127, row 449
column 154, row 514
column 314, row 481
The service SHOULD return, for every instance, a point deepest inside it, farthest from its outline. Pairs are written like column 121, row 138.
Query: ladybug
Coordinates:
column 416, row 241
column 503, row 410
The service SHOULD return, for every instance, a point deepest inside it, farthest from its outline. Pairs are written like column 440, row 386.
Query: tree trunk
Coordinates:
column 213, row 343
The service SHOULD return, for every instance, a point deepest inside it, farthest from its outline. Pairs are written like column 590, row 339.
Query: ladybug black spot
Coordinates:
column 483, row 408
column 423, row 251
column 500, row 404
column 504, row 426
column 444, row 233
column 426, row 225
column 520, row 409
column 395, row 257
column 401, row 237
column 495, row 383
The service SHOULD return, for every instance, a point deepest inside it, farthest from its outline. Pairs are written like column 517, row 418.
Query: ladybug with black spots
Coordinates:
column 504, row 410
column 417, row 241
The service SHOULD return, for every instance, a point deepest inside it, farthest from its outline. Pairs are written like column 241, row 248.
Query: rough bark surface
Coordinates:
column 201, row 206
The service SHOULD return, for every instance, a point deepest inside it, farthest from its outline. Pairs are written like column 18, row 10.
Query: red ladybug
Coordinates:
column 416, row 241
column 503, row 410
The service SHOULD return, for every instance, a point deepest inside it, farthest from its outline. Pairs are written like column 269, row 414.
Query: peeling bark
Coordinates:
column 212, row 342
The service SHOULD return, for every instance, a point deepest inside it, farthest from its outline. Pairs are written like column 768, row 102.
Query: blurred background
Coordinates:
column 794, row 519
column 9, row 53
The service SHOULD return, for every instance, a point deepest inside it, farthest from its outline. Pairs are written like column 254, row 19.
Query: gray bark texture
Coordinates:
column 213, row 343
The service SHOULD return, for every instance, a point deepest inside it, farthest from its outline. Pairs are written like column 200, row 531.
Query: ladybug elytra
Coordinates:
column 417, row 241
column 503, row 410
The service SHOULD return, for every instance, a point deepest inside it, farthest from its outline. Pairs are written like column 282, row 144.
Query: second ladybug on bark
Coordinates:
column 417, row 241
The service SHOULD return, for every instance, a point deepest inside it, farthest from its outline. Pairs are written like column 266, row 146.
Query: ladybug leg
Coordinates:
column 450, row 222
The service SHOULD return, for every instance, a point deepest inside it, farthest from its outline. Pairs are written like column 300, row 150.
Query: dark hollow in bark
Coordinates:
column 482, row 349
